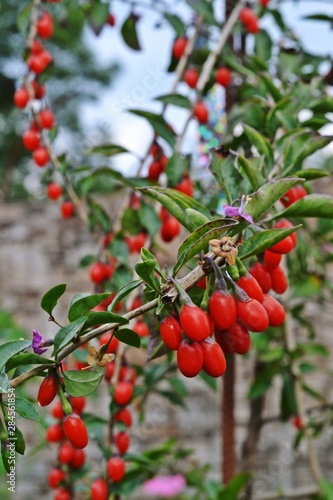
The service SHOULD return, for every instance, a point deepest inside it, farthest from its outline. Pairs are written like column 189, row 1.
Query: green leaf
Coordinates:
column 313, row 393
column 312, row 173
column 313, row 205
column 98, row 15
column 319, row 17
column 129, row 33
column 263, row 381
column 196, row 218
column 175, row 168
column 9, row 349
column 107, row 150
column 4, row 383
column 98, row 216
column 226, row 174
column 271, row 87
column 68, row 332
column 198, row 240
column 233, row 489
column 50, row 298
column 148, row 218
column 310, row 147
column 322, row 105
column 263, row 45
column 160, row 126
column 146, row 271
column 122, row 293
column 326, row 489
column 81, row 305
column 262, row 240
column 205, row 10
column 263, row 199
column 19, row 441
column 176, row 100
column 128, row 336
column 248, row 170
column 25, row 408
column 81, row 383
column 261, row 143
column 176, row 23
column 27, row 358
column 288, row 404
column 101, row 318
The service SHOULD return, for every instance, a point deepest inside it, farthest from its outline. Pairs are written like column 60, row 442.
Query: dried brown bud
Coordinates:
column 225, row 248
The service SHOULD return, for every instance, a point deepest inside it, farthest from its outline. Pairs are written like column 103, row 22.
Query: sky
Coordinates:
column 143, row 76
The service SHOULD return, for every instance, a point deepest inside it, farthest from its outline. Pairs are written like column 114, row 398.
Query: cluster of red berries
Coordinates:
column 69, row 432
column 54, row 192
column 222, row 77
column 158, row 164
column 250, row 20
column 38, row 60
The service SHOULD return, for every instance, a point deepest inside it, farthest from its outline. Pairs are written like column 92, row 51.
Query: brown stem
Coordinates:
column 249, row 448
column 228, row 422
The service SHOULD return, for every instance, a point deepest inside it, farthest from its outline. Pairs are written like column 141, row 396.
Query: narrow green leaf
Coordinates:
column 198, row 240
column 175, row 168
column 9, row 349
column 263, row 199
column 271, row 87
column 146, row 271
column 50, row 298
column 19, row 441
column 310, row 147
column 319, row 17
column 196, row 218
column 158, row 123
column 263, row 45
column 176, row 100
column 67, row 333
column 261, row 143
column 101, row 318
column 27, row 358
column 313, row 205
column 262, row 240
column 176, row 23
column 98, row 14
column 129, row 32
column 85, row 304
column 25, row 408
column 248, row 170
column 128, row 336
column 81, row 383
column 4, row 383
column 149, row 218
column 235, row 486
column 312, row 173
column 205, row 10
column 107, row 150
column 171, row 205
column 322, row 105
column 226, row 174
column 123, row 292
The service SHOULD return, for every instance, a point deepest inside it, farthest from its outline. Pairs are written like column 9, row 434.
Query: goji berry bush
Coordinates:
column 249, row 235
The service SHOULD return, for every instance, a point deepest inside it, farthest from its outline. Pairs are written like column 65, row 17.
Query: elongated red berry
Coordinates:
column 41, row 156
column 31, row 139
column 56, row 475
column 44, row 25
column 284, row 246
column 122, row 442
column 285, row 223
column 251, row 286
column 75, row 431
column 190, row 358
column 115, row 469
column 171, row 332
column 99, row 489
column 275, row 311
column 235, row 340
column 47, row 391
column 279, row 280
column 123, row 393
column 223, row 77
column 179, row 47
column 201, row 113
column 271, row 260
column 262, row 276
column 54, row 191
column 214, row 363
column 191, row 77
column 222, row 309
column 21, row 97
column 253, row 316
column 194, row 322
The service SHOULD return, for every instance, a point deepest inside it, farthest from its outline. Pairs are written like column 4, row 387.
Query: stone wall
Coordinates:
column 39, row 250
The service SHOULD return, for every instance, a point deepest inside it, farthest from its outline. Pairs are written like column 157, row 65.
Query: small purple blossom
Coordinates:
column 37, row 341
column 238, row 211
column 165, row 486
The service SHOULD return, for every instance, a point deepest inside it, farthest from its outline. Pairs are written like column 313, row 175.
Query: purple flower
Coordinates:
column 37, row 341
column 238, row 211
column 165, row 486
